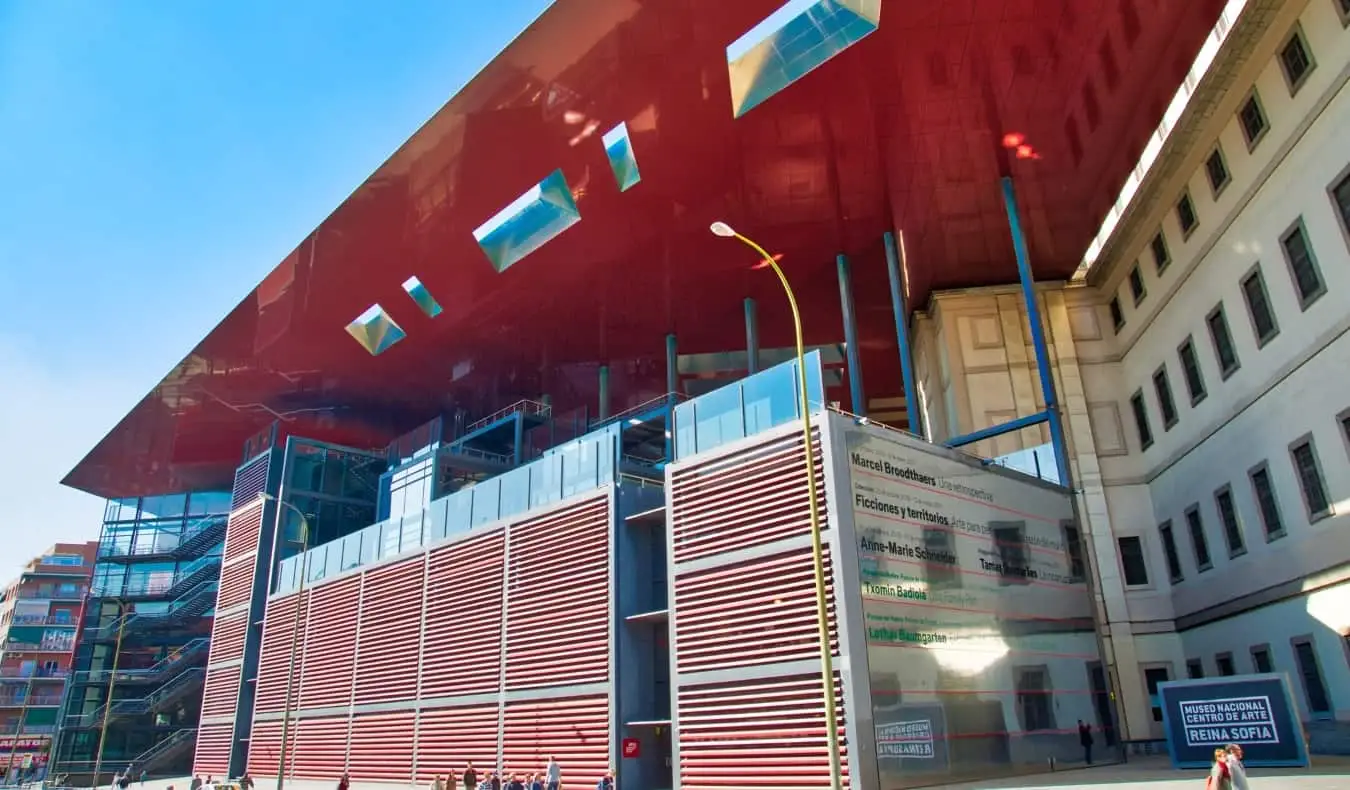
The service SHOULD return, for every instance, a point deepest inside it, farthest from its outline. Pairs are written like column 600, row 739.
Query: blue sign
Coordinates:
column 1256, row 712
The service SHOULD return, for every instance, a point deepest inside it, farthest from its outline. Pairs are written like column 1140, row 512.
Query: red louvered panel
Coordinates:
column 557, row 605
column 329, row 660
column 264, row 748
column 755, row 612
column 241, row 532
column 753, row 497
column 768, row 731
column 236, row 584
column 220, row 696
column 213, row 750
column 575, row 730
column 227, row 637
column 382, row 747
column 462, row 645
column 391, row 614
column 447, row 738
column 274, row 663
column 320, row 747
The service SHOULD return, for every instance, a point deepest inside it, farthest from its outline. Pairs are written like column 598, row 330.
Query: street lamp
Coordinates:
column 817, row 552
column 295, row 627
column 122, row 615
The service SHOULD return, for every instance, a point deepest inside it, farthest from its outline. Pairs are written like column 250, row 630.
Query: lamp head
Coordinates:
column 265, row 497
column 722, row 229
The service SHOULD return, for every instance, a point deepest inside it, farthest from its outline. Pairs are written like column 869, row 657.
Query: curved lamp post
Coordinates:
column 817, row 551
column 295, row 627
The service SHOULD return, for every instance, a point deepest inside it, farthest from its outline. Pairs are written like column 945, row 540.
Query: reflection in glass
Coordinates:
column 980, row 639
column 791, row 42
column 622, row 160
column 375, row 330
column 419, row 293
column 529, row 222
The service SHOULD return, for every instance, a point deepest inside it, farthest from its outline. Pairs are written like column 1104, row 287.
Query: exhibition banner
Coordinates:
column 977, row 618
column 1256, row 712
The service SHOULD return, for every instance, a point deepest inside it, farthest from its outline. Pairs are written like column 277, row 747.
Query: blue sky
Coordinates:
column 159, row 158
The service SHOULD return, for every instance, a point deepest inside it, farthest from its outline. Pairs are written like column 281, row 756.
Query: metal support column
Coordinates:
column 603, row 413
column 895, row 268
column 519, row 439
column 851, row 350
column 751, row 337
column 1052, row 414
column 672, row 365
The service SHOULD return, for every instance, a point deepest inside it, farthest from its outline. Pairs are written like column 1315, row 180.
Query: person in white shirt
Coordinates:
column 553, row 774
column 1236, row 769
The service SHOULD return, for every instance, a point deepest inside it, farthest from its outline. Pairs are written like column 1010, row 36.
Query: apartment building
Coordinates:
column 39, row 619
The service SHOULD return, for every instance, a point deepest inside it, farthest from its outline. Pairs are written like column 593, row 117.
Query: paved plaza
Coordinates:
column 1154, row 773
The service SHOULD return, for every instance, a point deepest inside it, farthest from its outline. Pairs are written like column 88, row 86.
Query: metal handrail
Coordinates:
column 642, row 408
column 524, row 406
column 170, row 661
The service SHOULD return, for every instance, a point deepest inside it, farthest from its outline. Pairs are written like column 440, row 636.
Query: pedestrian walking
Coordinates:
column 1220, row 778
column 470, row 777
column 1237, row 770
column 1085, row 739
column 553, row 774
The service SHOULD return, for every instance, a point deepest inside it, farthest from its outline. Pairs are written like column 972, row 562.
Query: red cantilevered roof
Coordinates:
column 907, row 129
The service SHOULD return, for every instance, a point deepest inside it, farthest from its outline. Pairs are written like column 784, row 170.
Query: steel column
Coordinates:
column 851, row 350
column 751, row 337
column 672, row 365
column 1053, row 416
column 603, row 413
column 895, row 269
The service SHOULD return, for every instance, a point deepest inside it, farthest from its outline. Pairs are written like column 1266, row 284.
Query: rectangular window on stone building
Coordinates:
column 1310, row 672
column 1267, row 504
column 1163, row 388
column 1190, row 368
column 1216, row 170
column 1224, row 661
column 1222, row 338
column 1137, row 289
column 1153, row 676
column 1253, row 120
column 1161, row 257
column 1261, row 662
column 1310, row 480
column 1169, row 544
column 1254, row 294
column 1140, row 412
column 1117, row 316
column 1228, row 518
column 1298, row 253
column 1034, row 704
column 1186, row 216
column 1199, row 541
column 1296, row 61
column 1132, row 561
column 1340, row 199
column 1195, row 669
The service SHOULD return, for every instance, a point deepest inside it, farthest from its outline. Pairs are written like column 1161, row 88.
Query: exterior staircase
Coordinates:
column 191, row 604
column 154, row 702
column 167, row 749
column 163, row 670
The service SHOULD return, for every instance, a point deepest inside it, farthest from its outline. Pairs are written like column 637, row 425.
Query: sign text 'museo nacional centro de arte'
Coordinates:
column 1256, row 712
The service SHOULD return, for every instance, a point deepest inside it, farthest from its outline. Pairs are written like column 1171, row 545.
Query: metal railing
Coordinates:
column 196, row 601
column 31, row 700
column 203, row 529
column 525, row 406
column 38, row 673
column 175, row 661
column 147, row 759
column 45, row 646
column 651, row 404
column 74, row 593
column 41, row 619
column 138, row 706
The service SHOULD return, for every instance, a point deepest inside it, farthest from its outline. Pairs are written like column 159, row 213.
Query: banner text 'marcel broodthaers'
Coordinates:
column 978, row 621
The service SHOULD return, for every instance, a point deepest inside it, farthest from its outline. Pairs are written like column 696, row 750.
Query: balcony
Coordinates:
column 45, row 646
column 64, row 592
column 38, row 619
column 43, row 700
column 196, row 538
column 191, row 604
column 7, row 673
